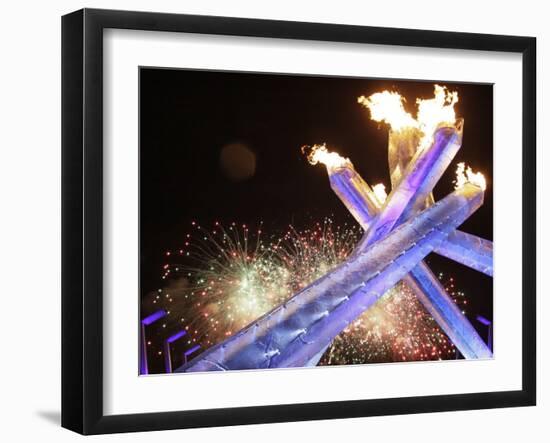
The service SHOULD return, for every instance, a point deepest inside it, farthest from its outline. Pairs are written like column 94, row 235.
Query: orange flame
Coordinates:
column 466, row 175
column 320, row 154
column 380, row 193
column 389, row 107
column 436, row 112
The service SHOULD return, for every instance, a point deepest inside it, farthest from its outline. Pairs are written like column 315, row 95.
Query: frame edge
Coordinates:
column 72, row 222
column 82, row 373
column 529, row 221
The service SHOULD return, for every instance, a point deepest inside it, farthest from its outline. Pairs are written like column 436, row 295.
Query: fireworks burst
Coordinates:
column 222, row 279
column 396, row 328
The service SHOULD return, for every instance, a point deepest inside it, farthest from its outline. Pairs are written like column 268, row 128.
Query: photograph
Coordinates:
column 265, row 223
column 299, row 221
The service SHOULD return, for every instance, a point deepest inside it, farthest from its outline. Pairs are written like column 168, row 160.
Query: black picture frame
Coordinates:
column 82, row 220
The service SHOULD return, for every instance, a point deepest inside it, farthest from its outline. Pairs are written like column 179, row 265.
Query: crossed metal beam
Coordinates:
column 398, row 235
column 356, row 193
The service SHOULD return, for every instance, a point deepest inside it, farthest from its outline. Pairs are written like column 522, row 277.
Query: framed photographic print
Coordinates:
column 269, row 221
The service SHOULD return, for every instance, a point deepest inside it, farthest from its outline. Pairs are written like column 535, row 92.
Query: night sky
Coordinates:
column 193, row 124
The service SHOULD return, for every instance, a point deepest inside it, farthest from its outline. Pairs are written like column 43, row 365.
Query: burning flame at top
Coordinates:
column 320, row 154
column 466, row 175
column 438, row 110
column 389, row 107
column 380, row 193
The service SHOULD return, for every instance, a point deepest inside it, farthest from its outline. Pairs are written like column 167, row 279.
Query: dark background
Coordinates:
column 187, row 117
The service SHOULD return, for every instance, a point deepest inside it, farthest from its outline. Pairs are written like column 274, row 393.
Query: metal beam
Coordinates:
column 294, row 332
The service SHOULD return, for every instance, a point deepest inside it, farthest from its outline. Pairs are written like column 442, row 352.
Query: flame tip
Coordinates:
column 380, row 192
column 320, row 154
column 388, row 107
column 464, row 174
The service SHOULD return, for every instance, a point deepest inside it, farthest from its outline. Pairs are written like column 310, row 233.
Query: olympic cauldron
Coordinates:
column 399, row 232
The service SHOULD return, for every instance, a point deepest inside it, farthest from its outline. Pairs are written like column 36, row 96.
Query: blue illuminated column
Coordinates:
column 187, row 354
column 168, row 349
column 447, row 314
column 489, row 325
column 143, row 368
column 467, row 249
column 354, row 192
column 447, row 140
column 421, row 175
